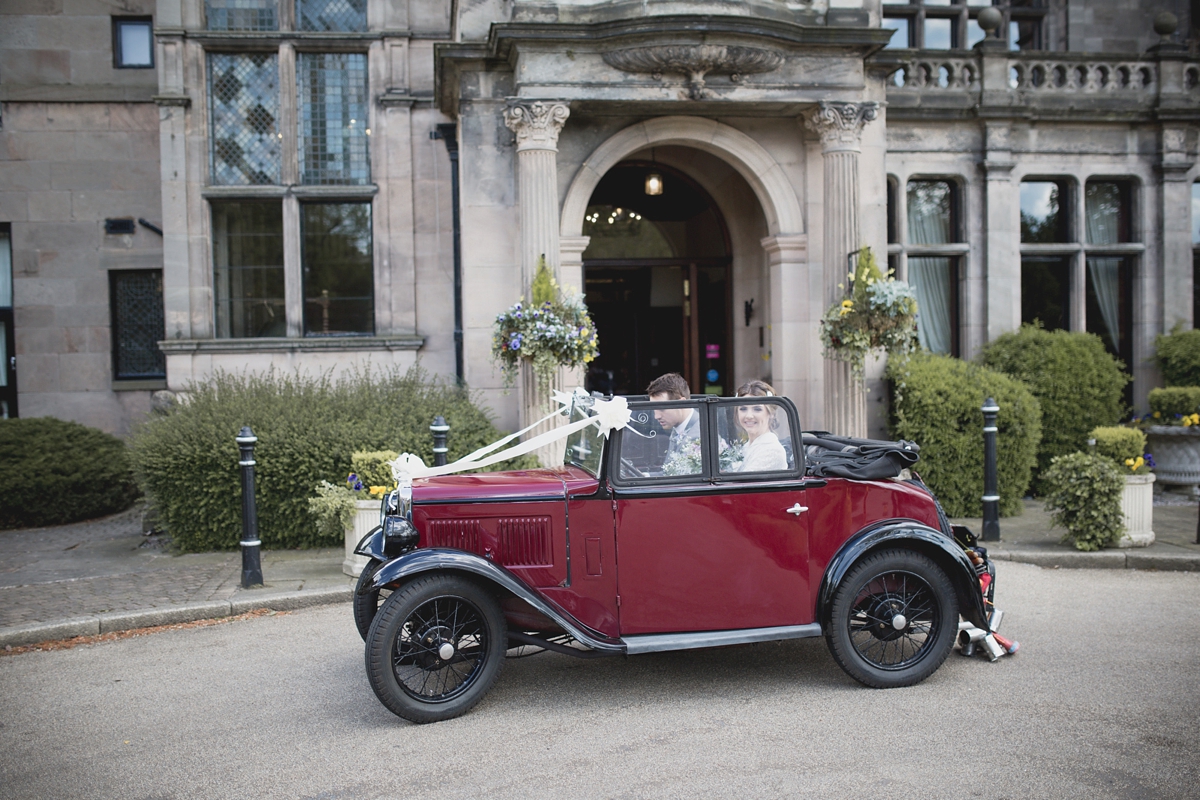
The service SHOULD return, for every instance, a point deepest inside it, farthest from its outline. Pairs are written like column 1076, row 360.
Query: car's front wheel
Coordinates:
column 366, row 604
column 435, row 647
column 893, row 619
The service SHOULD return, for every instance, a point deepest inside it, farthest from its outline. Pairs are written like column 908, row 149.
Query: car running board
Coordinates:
column 661, row 642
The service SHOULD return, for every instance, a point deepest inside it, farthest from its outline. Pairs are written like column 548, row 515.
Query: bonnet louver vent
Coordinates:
column 525, row 541
column 461, row 534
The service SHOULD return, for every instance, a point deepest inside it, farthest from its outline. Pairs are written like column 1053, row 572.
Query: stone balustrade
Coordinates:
column 1035, row 76
column 1074, row 75
column 932, row 73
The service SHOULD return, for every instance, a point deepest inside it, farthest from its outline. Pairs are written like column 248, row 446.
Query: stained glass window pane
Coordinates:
column 338, row 272
column 333, row 15
column 137, row 323
column 248, row 269
column 333, row 131
column 244, row 112
column 241, row 15
column 1106, row 212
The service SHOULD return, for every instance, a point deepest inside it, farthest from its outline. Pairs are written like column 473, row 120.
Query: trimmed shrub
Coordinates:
column 1168, row 405
column 939, row 409
column 1118, row 443
column 53, row 472
column 372, row 469
column 1083, row 494
column 1178, row 356
column 307, row 429
column 1078, row 384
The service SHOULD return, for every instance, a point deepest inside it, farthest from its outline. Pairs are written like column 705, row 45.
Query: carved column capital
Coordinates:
column 536, row 123
column 840, row 124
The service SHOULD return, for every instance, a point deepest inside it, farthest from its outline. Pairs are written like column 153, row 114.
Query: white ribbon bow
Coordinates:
column 608, row 416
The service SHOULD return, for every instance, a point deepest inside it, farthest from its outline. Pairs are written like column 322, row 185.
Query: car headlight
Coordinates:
column 399, row 535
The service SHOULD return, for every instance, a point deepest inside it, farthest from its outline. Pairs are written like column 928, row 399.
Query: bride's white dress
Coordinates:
column 764, row 454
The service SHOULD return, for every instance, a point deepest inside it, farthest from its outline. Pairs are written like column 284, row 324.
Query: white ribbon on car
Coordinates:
column 607, row 416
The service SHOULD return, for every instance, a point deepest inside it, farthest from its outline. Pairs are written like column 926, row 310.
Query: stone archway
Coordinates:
column 796, row 302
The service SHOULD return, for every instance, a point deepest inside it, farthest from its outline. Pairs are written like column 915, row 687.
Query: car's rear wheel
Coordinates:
column 366, row 605
column 893, row 619
column 435, row 647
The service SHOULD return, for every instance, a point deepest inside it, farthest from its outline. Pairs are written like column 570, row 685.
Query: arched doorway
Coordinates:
column 656, row 275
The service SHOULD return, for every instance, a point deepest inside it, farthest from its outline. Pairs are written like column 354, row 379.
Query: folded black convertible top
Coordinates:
column 829, row 456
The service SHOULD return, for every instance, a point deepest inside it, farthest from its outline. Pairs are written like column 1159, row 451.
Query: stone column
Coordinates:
column 794, row 314
column 840, row 127
column 1002, row 262
column 537, row 125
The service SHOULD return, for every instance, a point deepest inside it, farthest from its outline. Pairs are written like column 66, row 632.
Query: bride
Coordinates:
column 762, row 451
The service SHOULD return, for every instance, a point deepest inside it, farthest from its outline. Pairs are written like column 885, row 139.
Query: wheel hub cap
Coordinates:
column 446, row 651
column 899, row 622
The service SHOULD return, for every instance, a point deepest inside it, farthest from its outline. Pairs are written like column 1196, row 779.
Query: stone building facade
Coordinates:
column 337, row 184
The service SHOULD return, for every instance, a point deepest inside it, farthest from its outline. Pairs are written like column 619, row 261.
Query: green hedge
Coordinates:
column 1118, row 443
column 939, row 409
column 1083, row 494
column 53, row 472
column 1077, row 382
column 1178, row 356
column 1177, row 401
column 307, row 429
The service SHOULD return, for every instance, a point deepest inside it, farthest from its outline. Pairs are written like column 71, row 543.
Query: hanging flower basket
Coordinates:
column 552, row 331
column 879, row 313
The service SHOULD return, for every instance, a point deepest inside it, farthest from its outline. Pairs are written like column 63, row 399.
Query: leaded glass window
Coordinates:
column 248, row 274
column 1044, row 212
column 333, row 136
column 332, row 15
column 242, row 15
column 137, row 324
column 338, row 271
column 244, row 118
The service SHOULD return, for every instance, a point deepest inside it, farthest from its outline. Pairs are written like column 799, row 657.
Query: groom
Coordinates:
column 683, row 423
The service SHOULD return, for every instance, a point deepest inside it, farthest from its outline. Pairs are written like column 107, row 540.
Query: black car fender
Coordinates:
column 914, row 536
column 438, row 559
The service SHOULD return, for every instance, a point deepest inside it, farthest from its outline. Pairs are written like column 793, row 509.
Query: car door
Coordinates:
column 701, row 547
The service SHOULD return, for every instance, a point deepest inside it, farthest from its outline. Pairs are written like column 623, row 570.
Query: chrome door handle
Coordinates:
column 797, row 509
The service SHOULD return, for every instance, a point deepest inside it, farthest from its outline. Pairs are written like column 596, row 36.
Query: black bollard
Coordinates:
column 251, row 559
column 440, row 430
column 991, row 490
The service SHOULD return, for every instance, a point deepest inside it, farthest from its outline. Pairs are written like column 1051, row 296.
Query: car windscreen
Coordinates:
column 584, row 448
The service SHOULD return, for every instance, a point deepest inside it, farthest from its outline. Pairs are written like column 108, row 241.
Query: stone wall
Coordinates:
column 1119, row 26
column 64, row 168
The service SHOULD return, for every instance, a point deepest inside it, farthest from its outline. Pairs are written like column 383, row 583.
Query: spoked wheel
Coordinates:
column 366, row 606
column 435, row 648
column 893, row 619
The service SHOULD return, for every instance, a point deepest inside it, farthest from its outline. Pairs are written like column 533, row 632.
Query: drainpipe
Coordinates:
column 448, row 133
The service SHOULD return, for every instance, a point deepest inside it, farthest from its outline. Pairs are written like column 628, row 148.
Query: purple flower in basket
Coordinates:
column 1149, row 461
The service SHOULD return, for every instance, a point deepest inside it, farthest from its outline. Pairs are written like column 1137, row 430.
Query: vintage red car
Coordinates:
column 702, row 523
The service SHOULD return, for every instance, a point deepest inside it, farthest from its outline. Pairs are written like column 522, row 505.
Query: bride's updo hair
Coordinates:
column 760, row 389
column 755, row 389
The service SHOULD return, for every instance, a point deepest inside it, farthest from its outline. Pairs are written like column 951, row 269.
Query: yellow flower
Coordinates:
column 1129, row 462
column 1157, row 414
column 378, row 491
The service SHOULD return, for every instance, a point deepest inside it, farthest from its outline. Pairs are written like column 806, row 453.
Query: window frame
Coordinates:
column 957, row 250
column 118, row 22
column 647, row 407
column 961, row 13
column 797, row 443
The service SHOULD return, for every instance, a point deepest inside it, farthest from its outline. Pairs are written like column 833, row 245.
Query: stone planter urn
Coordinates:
column 1137, row 504
column 1176, row 452
column 366, row 519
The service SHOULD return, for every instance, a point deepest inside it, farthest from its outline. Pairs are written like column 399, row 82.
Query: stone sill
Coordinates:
column 141, row 385
column 316, row 344
column 304, row 192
